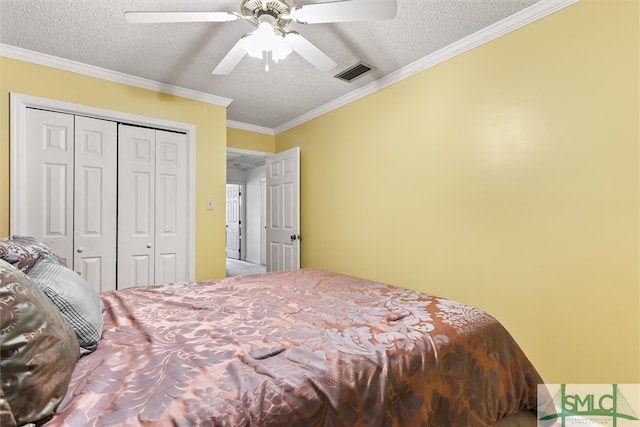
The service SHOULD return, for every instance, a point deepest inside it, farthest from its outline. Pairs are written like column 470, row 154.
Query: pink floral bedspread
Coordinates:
column 298, row 348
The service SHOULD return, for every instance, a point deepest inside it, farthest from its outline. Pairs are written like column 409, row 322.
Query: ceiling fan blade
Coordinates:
column 309, row 52
column 345, row 11
column 166, row 17
column 231, row 59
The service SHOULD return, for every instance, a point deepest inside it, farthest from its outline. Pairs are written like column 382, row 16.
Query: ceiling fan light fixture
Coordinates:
column 280, row 50
column 266, row 39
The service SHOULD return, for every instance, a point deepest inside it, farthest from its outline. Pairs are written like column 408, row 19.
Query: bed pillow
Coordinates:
column 44, row 250
column 6, row 416
column 77, row 301
column 19, row 253
column 38, row 348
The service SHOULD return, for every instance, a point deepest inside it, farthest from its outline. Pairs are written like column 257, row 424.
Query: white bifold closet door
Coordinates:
column 152, row 229
column 71, row 185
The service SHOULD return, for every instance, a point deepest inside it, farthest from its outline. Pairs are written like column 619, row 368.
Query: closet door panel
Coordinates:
column 141, row 270
column 171, row 207
column 166, row 268
column 95, row 202
column 136, row 206
column 49, row 180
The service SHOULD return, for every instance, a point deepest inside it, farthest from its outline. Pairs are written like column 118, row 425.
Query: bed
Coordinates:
column 297, row 348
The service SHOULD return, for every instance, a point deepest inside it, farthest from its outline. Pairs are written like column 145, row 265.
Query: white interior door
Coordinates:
column 234, row 235
column 136, row 201
column 283, row 210
column 49, row 181
column 263, row 221
column 95, row 187
column 171, row 207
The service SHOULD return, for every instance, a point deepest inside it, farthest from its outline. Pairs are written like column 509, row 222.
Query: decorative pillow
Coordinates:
column 44, row 250
column 38, row 348
column 19, row 253
column 6, row 416
column 78, row 302
column 34, row 244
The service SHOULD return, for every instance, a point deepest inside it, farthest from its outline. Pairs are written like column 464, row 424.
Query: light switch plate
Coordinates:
column 209, row 205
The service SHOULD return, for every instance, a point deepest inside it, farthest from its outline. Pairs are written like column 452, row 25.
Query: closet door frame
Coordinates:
column 18, row 141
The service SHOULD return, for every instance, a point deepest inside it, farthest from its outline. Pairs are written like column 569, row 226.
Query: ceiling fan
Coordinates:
column 271, row 40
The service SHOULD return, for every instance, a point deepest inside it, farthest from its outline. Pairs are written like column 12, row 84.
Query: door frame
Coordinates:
column 18, row 131
column 265, row 155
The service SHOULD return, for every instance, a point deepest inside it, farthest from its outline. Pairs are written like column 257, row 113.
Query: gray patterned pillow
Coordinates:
column 19, row 253
column 78, row 302
column 38, row 348
column 44, row 250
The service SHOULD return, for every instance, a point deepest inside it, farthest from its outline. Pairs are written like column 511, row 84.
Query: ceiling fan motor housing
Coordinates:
column 253, row 10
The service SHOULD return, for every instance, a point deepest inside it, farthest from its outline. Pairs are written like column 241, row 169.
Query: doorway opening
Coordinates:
column 246, row 205
column 234, row 221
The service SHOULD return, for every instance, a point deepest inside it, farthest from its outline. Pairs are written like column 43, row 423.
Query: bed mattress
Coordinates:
column 298, row 348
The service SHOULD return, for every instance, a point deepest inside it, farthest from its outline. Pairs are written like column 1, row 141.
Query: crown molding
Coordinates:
column 250, row 128
column 114, row 76
column 526, row 16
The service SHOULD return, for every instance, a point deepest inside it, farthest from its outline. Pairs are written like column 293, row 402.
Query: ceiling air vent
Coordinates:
column 354, row 72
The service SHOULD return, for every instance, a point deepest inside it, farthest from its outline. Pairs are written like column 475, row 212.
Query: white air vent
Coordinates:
column 354, row 72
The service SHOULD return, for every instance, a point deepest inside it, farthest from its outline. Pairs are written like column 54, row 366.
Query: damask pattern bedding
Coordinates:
column 297, row 348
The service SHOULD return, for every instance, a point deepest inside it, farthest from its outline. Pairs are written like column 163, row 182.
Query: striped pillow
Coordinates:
column 78, row 302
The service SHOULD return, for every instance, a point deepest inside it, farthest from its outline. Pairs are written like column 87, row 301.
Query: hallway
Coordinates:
column 236, row 267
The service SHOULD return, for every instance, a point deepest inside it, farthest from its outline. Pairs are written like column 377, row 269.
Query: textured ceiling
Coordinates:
column 243, row 161
column 94, row 32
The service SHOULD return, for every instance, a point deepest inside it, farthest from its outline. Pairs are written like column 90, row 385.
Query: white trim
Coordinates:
column 500, row 28
column 18, row 126
column 104, row 74
column 249, row 127
column 18, row 169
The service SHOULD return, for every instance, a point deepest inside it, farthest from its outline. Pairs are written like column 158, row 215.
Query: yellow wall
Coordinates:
column 247, row 140
column 210, row 122
column 506, row 178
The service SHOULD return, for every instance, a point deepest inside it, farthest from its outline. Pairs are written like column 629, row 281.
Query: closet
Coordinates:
column 152, row 206
column 110, row 198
